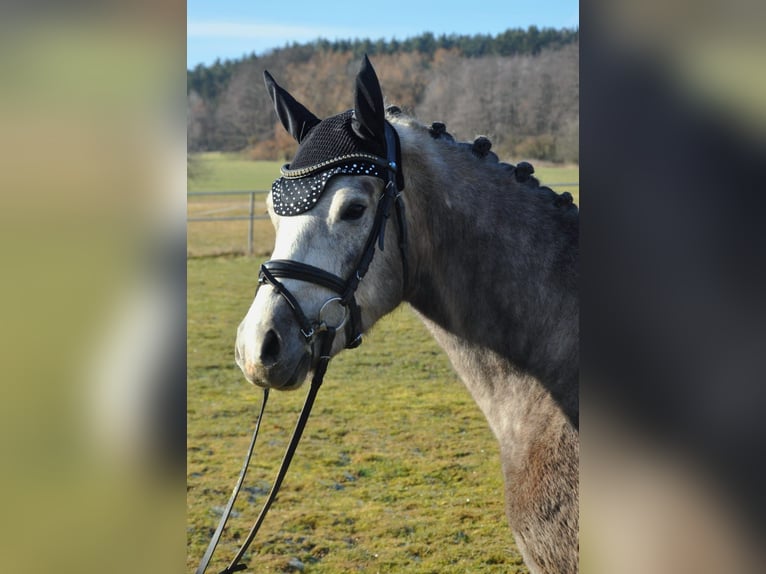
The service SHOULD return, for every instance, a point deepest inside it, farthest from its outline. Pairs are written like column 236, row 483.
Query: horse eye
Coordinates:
column 353, row 211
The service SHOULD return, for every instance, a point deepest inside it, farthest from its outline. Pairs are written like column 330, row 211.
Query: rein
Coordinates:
column 319, row 332
column 235, row 566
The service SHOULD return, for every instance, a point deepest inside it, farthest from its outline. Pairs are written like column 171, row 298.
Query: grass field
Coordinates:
column 219, row 171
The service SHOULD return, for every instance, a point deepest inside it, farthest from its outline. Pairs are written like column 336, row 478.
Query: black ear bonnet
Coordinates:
column 340, row 144
column 332, row 138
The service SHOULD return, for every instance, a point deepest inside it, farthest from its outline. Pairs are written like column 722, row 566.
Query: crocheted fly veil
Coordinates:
column 353, row 143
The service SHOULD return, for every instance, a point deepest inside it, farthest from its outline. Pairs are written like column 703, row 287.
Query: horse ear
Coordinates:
column 369, row 114
column 297, row 120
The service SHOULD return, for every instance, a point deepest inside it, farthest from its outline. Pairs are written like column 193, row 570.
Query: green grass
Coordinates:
column 219, row 171
column 553, row 174
column 397, row 470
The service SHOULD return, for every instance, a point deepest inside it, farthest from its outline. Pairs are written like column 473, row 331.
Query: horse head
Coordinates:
column 328, row 211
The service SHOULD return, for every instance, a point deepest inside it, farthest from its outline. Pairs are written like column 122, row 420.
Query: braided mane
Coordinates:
column 481, row 148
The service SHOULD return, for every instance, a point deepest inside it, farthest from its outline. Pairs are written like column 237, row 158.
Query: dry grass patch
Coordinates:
column 397, row 470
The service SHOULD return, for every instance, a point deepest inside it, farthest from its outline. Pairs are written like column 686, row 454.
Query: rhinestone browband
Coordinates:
column 316, row 168
column 294, row 195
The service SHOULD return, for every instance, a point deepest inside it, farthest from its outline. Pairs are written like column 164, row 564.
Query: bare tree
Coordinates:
column 525, row 104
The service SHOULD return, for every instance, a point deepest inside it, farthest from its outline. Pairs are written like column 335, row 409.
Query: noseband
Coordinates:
column 319, row 330
column 275, row 269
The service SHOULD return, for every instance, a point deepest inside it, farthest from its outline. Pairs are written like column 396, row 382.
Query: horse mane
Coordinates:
column 520, row 174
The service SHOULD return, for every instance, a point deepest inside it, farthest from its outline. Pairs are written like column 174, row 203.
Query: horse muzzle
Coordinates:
column 270, row 356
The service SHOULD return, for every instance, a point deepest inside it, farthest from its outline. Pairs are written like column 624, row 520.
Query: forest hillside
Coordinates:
column 520, row 88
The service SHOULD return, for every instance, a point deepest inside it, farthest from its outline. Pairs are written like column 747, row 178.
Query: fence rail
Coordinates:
column 251, row 216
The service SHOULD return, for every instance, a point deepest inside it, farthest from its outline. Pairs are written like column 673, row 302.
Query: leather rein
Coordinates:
column 318, row 334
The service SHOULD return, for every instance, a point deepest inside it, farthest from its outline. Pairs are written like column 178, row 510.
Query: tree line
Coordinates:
column 519, row 87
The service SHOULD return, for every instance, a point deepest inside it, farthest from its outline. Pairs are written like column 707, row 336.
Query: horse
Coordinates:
column 488, row 259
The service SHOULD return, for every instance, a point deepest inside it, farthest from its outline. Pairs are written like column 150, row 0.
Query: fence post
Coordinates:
column 250, row 224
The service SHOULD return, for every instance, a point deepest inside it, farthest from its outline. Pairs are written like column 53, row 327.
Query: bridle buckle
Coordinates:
column 310, row 335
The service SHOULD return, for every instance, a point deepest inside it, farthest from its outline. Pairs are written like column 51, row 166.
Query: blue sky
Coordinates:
column 227, row 29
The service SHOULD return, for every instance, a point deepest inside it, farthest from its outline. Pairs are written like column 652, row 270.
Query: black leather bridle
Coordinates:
column 275, row 269
column 317, row 333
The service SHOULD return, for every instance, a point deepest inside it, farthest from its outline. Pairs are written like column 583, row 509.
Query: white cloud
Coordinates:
column 222, row 29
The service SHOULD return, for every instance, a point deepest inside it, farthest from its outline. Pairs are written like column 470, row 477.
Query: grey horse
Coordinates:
column 492, row 258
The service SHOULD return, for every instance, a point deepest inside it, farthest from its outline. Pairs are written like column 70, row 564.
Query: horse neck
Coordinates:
column 493, row 270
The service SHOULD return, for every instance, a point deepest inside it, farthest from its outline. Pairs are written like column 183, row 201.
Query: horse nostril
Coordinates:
column 270, row 348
